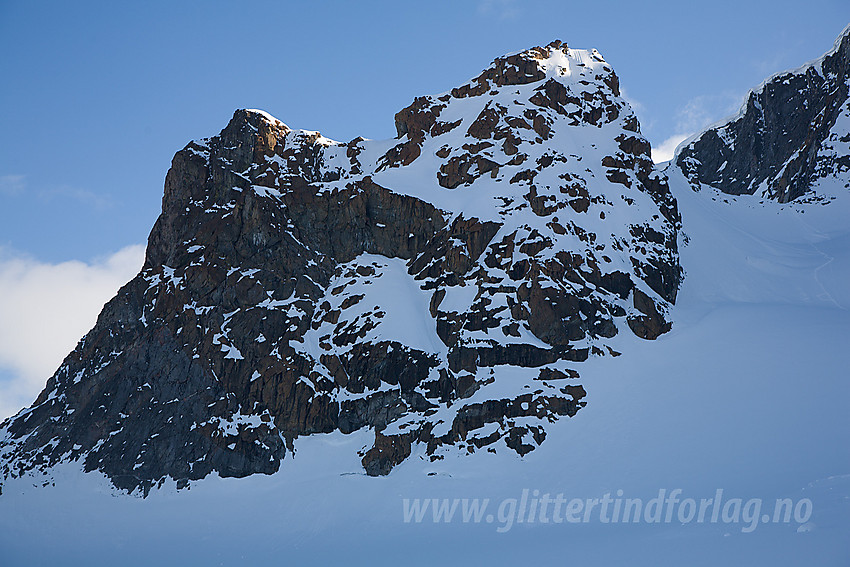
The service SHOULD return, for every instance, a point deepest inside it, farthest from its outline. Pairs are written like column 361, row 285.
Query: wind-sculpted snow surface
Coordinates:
column 440, row 288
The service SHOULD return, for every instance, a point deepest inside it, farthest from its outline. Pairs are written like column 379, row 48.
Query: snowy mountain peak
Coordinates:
column 555, row 60
column 441, row 288
column 790, row 140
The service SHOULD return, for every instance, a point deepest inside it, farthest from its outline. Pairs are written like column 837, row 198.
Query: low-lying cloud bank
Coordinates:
column 45, row 309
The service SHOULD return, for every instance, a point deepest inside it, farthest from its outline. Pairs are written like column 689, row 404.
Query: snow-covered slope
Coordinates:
column 746, row 394
column 743, row 249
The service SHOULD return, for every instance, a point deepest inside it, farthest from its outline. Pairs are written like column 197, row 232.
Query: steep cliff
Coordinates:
column 793, row 132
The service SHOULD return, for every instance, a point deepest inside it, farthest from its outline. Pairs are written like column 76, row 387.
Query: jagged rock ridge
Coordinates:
column 793, row 131
column 440, row 288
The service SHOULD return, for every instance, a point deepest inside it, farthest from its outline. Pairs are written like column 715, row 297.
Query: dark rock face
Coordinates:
column 785, row 138
column 439, row 289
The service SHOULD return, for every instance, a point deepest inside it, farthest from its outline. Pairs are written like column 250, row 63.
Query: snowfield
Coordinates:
column 746, row 394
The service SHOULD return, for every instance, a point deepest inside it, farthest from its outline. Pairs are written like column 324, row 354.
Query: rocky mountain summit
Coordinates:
column 793, row 132
column 441, row 288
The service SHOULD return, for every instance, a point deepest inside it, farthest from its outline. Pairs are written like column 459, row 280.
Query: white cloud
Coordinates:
column 695, row 116
column 12, row 184
column 503, row 9
column 664, row 151
column 45, row 309
column 65, row 192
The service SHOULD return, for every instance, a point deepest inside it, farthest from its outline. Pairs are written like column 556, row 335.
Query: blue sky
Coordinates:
column 97, row 97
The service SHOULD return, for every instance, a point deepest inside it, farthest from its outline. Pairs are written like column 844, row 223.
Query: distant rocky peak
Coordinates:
column 790, row 140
